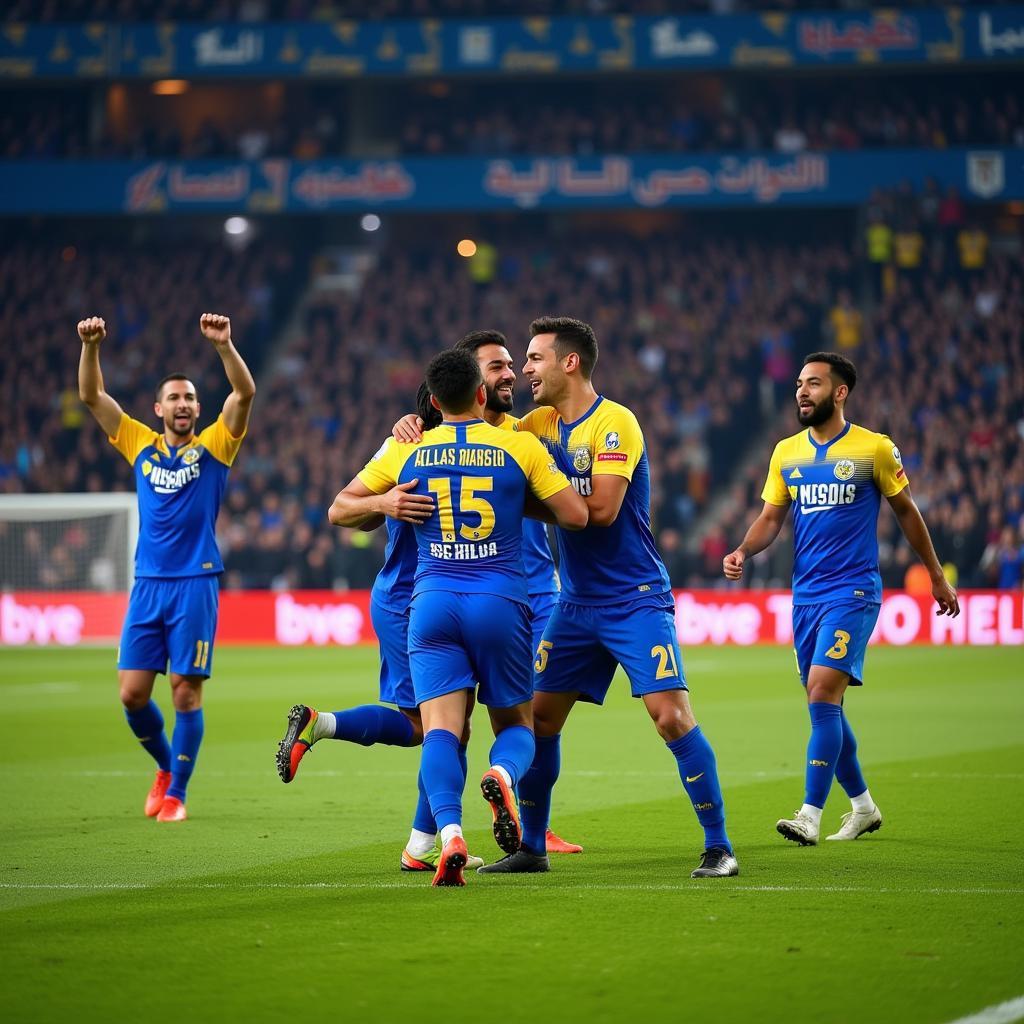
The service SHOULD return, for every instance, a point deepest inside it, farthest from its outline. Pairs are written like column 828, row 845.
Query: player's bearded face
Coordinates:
column 499, row 377
column 179, row 409
column 813, row 412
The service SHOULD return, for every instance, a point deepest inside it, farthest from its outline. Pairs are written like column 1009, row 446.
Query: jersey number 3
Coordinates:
column 838, row 649
column 469, row 504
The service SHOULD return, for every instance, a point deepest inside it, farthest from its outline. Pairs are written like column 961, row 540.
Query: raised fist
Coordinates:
column 92, row 330
column 215, row 328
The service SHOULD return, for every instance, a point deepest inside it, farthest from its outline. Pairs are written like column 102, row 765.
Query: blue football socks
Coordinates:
column 371, row 723
column 443, row 777
column 423, row 819
column 699, row 773
column 188, row 735
column 823, row 751
column 148, row 725
column 848, row 773
column 513, row 750
column 535, row 792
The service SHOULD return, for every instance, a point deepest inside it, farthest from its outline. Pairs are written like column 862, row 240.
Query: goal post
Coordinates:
column 66, row 566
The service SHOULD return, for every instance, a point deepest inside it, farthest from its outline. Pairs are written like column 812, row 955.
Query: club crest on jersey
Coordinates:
column 190, row 456
column 611, row 440
column 581, row 459
column 844, row 469
column 896, row 454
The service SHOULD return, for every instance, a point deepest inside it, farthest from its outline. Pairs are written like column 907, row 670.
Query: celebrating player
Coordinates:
column 616, row 602
column 469, row 620
column 370, row 724
column 834, row 474
column 172, row 613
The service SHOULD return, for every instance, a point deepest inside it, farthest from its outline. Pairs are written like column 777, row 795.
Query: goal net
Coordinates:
column 66, row 566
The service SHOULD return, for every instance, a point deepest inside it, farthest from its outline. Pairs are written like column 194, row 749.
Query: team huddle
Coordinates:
column 468, row 607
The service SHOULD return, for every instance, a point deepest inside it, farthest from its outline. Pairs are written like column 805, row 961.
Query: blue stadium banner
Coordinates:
column 448, row 183
column 537, row 45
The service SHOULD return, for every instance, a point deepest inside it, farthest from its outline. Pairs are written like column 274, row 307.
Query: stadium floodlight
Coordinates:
column 236, row 225
column 370, row 222
column 466, row 248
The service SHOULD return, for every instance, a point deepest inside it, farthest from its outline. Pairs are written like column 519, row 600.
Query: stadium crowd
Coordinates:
column 702, row 336
column 580, row 119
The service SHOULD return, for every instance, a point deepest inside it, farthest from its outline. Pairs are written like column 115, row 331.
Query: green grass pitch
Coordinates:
column 285, row 902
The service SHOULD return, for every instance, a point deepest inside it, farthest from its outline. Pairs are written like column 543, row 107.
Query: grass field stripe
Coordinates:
column 689, row 887
column 1003, row 1013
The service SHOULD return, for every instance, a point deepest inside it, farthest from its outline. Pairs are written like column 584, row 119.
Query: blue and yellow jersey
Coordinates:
column 604, row 564
column 836, row 489
column 180, row 491
column 392, row 589
column 478, row 476
column 537, row 561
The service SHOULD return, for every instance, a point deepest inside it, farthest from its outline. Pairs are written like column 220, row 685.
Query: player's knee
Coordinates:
column 187, row 693
column 671, row 723
column 134, row 693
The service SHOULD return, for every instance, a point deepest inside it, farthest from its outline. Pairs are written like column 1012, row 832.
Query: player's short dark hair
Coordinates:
column 165, row 380
column 840, row 366
column 426, row 412
column 477, row 339
column 571, row 335
column 453, row 378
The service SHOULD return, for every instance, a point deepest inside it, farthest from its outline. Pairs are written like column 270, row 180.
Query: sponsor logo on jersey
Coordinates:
column 611, row 439
column 190, row 456
column 552, row 468
column 613, row 457
column 796, row 474
column 822, row 497
column 814, row 763
column 170, row 481
column 896, row 454
column 581, row 459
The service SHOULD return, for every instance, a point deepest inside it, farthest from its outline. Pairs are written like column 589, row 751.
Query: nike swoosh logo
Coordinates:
column 694, row 778
column 816, row 508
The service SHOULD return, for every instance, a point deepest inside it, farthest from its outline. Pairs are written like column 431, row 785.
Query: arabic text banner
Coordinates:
column 328, row 619
column 349, row 49
column 425, row 183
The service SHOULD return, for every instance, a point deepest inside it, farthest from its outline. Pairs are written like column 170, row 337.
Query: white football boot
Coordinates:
column 801, row 828
column 857, row 823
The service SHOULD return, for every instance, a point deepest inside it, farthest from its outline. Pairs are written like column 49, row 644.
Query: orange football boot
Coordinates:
column 508, row 833
column 298, row 738
column 453, row 859
column 155, row 797
column 555, row 844
column 172, row 810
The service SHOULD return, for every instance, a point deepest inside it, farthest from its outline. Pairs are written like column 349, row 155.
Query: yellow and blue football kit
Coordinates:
column 615, row 605
column 470, row 597
column 835, row 489
column 172, row 612
column 615, row 608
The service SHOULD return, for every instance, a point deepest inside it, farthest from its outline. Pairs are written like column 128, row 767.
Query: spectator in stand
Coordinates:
column 846, row 324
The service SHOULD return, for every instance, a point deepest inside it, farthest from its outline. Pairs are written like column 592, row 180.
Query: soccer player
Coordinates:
column 172, row 612
column 370, row 724
column 616, row 602
column 834, row 475
column 469, row 620
column 492, row 355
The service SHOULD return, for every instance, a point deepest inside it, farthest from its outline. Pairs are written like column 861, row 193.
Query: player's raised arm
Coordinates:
column 409, row 429
column 763, row 531
column 107, row 412
column 912, row 523
column 217, row 329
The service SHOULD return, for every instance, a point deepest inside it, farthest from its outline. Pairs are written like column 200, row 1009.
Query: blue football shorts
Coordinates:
column 834, row 634
column 583, row 645
column 171, row 620
column 460, row 641
column 392, row 629
column 541, row 607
